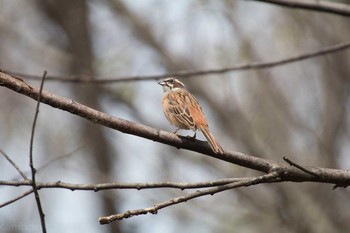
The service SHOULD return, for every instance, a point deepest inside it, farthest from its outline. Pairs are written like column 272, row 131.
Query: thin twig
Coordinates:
column 45, row 165
column 291, row 163
column 322, row 6
column 31, row 163
column 115, row 185
column 211, row 191
column 59, row 158
column 241, row 67
column 16, row 198
column 14, row 164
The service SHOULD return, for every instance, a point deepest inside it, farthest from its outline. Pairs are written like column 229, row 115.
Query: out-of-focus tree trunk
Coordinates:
column 73, row 18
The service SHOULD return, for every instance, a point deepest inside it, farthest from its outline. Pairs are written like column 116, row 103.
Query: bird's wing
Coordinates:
column 178, row 106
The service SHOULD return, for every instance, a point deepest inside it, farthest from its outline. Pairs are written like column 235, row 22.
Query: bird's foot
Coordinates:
column 192, row 137
column 175, row 132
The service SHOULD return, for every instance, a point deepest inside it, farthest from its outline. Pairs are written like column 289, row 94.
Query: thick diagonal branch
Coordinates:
column 288, row 173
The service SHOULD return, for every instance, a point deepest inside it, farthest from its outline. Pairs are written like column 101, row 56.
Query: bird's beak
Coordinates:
column 162, row 83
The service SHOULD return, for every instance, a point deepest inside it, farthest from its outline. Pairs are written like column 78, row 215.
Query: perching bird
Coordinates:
column 182, row 110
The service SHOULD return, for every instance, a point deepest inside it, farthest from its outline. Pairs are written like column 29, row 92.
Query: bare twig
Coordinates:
column 118, row 185
column 14, row 164
column 45, row 165
column 241, row 67
column 316, row 5
column 308, row 171
column 60, row 158
column 31, row 163
column 16, row 198
column 211, row 191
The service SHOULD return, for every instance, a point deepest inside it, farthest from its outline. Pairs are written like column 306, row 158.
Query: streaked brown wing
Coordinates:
column 178, row 106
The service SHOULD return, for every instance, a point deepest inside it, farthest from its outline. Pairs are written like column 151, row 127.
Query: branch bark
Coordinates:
column 287, row 173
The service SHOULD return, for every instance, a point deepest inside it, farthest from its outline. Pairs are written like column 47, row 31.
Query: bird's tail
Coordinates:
column 215, row 146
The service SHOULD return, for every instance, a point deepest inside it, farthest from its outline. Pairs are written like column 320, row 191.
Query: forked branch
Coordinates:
column 31, row 162
column 199, row 193
column 326, row 175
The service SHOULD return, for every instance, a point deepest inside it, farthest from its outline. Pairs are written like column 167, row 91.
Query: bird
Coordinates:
column 183, row 110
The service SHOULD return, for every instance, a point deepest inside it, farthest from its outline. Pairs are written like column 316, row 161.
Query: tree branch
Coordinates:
column 322, row 6
column 31, row 162
column 118, row 185
column 16, row 198
column 325, row 175
column 211, row 191
column 241, row 67
column 14, row 164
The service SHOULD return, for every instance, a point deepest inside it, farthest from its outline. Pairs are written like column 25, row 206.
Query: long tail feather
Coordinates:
column 215, row 146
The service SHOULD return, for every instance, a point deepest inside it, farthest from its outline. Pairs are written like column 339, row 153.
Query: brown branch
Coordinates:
column 326, row 175
column 211, row 191
column 241, row 67
column 322, row 6
column 118, row 185
column 14, row 164
column 31, row 162
column 16, row 198
column 128, row 127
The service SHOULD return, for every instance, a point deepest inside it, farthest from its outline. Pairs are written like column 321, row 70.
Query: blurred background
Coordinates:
column 300, row 110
